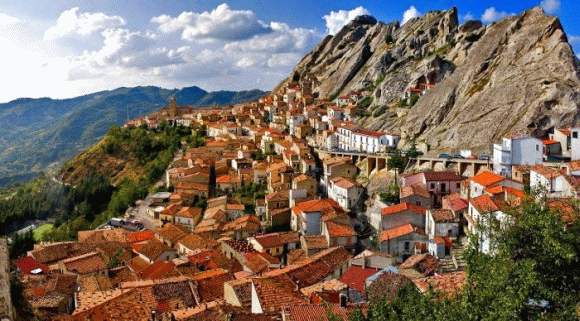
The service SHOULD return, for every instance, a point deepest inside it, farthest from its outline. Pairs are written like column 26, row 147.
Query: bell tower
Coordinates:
column 172, row 107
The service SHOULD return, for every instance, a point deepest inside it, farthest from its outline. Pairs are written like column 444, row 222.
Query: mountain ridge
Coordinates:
column 42, row 133
column 521, row 66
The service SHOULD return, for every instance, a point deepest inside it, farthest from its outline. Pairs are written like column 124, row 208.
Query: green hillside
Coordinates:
column 41, row 134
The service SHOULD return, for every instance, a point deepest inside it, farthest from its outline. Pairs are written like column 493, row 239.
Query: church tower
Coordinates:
column 172, row 107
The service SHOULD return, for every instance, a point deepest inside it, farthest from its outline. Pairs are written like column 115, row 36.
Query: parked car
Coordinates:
column 118, row 222
column 483, row 157
column 472, row 157
column 136, row 222
column 444, row 156
column 458, row 156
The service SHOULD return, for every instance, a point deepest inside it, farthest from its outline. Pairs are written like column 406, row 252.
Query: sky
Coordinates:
column 63, row 49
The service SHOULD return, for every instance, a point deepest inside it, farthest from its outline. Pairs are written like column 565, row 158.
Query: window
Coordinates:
column 458, row 185
column 574, row 134
column 406, row 246
column 432, row 185
column 537, row 147
column 418, row 203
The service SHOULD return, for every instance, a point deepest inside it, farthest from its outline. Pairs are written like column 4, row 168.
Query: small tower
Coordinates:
column 172, row 107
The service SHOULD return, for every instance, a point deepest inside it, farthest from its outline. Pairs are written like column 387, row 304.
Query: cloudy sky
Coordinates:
column 63, row 49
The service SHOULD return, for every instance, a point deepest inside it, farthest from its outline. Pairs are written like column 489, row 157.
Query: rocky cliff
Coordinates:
column 476, row 82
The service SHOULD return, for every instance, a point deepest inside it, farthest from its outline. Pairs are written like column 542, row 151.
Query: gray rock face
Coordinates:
column 517, row 75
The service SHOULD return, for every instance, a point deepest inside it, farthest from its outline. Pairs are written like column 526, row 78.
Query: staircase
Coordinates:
column 455, row 261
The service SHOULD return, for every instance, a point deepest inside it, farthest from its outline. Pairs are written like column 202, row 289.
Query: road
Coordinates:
column 141, row 215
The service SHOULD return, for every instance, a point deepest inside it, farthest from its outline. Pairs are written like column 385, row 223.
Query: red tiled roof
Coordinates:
column 339, row 230
column 448, row 284
column 356, row 276
column 312, row 312
column 402, row 207
column 442, row 215
column 210, row 284
column 141, row 236
column 156, row 270
column 549, row 142
column 276, row 293
column 400, row 231
column 269, row 240
column 28, row 263
column 484, row 203
column 487, row 178
column 458, row 204
column 84, row 264
column 410, row 190
column 442, row 176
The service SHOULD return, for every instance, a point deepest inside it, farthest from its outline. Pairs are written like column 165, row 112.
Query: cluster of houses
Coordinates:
column 255, row 226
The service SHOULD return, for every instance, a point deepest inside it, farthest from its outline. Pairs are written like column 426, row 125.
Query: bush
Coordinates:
column 366, row 102
column 402, row 103
column 413, row 99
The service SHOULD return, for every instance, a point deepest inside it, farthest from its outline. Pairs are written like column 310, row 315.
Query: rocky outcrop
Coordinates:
column 516, row 75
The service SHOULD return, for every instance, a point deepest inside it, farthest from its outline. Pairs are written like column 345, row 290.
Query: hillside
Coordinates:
column 40, row 134
column 517, row 75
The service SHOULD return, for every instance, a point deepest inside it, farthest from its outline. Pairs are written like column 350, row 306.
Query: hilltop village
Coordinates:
column 271, row 218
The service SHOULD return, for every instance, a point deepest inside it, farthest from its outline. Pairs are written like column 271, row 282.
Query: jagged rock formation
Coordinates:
column 517, row 75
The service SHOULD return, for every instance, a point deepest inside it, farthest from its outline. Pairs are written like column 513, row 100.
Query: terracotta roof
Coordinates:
column 565, row 131
column 458, row 204
column 153, row 249
column 157, row 270
column 442, row 215
column 99, row 236
column 316, row 312
column 344, row 182
column 243, row 290
column 356, row 276
column 269, row 240
column 549, row 142
column 566, row 208
column 194, row 242
column 424, row 263
column 400, row 231
column 94, row 283
column 449, row 284
column 137, row 264
column 240, row 246
column 278, row 196
column 85, row 264
column 28, row 263
column 442, row 176
column 484, row 203
column 339, row 230
column 402, row 207
column 247, row 222
column 189, row 212
column 302, row 177
column 173, row 232
column 114, row 305
column 141, row 236
column 259, row 262
column 410, row 190
column 165, row 295
column 289, row 237
column 276, row 293
column 315, row 242
column 326, row 206
column 58, row 251
column 369, row 133
column 210, row 284
column 386, row 285
column 487, row 178
column 315, row 268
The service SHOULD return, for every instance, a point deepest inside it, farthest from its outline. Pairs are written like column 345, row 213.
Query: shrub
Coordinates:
column 413, row 99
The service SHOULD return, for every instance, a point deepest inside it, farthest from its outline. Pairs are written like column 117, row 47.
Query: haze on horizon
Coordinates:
column 63, row 49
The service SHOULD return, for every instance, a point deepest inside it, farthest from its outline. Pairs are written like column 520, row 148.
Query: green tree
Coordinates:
column 397, row 161
column 413, row 152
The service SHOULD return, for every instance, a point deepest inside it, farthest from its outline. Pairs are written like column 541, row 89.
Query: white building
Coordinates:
column 516, row 150
column 346, row 192
column 575, row 144
column 482, row 211
column 350, row 137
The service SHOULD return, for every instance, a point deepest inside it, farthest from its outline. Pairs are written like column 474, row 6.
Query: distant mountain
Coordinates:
column 41, row 134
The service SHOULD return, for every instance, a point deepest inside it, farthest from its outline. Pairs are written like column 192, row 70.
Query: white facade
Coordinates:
column 575, row 143
column 365, row 141
column 523, row 150
column 345, row 197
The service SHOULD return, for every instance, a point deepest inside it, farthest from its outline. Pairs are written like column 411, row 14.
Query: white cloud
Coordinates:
column 466, row 17
column 550, row 6
column 574, row 40
column 411, row 13
column 8, row 20
column 336, row 20
column 282, row 39
column 491, row 15
column 221, row 23
column 71, row 22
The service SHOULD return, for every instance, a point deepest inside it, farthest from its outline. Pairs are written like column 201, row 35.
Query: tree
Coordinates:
column 413, row 152
column 397, row 161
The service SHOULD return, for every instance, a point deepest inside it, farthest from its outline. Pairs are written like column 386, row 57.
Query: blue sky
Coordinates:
column 63, row 49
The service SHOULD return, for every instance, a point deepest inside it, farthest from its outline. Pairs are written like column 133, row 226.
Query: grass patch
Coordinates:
column 41, row 230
